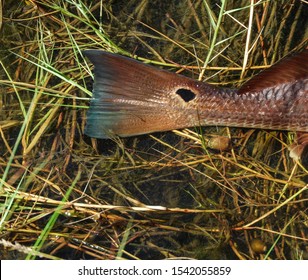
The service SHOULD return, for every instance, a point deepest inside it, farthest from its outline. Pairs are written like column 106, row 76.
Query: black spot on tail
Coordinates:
column 186, row 94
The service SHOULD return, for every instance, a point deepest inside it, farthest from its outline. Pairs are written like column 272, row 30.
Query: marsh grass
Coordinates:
column 166, row 195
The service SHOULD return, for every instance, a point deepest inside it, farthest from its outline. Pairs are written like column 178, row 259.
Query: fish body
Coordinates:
column 132, row 98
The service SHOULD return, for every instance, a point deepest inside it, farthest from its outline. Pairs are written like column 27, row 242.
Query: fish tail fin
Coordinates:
column 132, row 98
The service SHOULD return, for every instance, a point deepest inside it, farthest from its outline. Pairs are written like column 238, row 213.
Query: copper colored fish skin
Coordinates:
column 133, row 98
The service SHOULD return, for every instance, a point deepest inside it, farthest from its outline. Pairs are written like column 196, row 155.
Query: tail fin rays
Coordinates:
column 132, row 98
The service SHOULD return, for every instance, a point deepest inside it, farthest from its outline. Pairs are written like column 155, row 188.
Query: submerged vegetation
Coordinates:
column 166, row 195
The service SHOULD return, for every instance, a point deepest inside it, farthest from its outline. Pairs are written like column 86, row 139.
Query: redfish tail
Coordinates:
column 132, row 98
